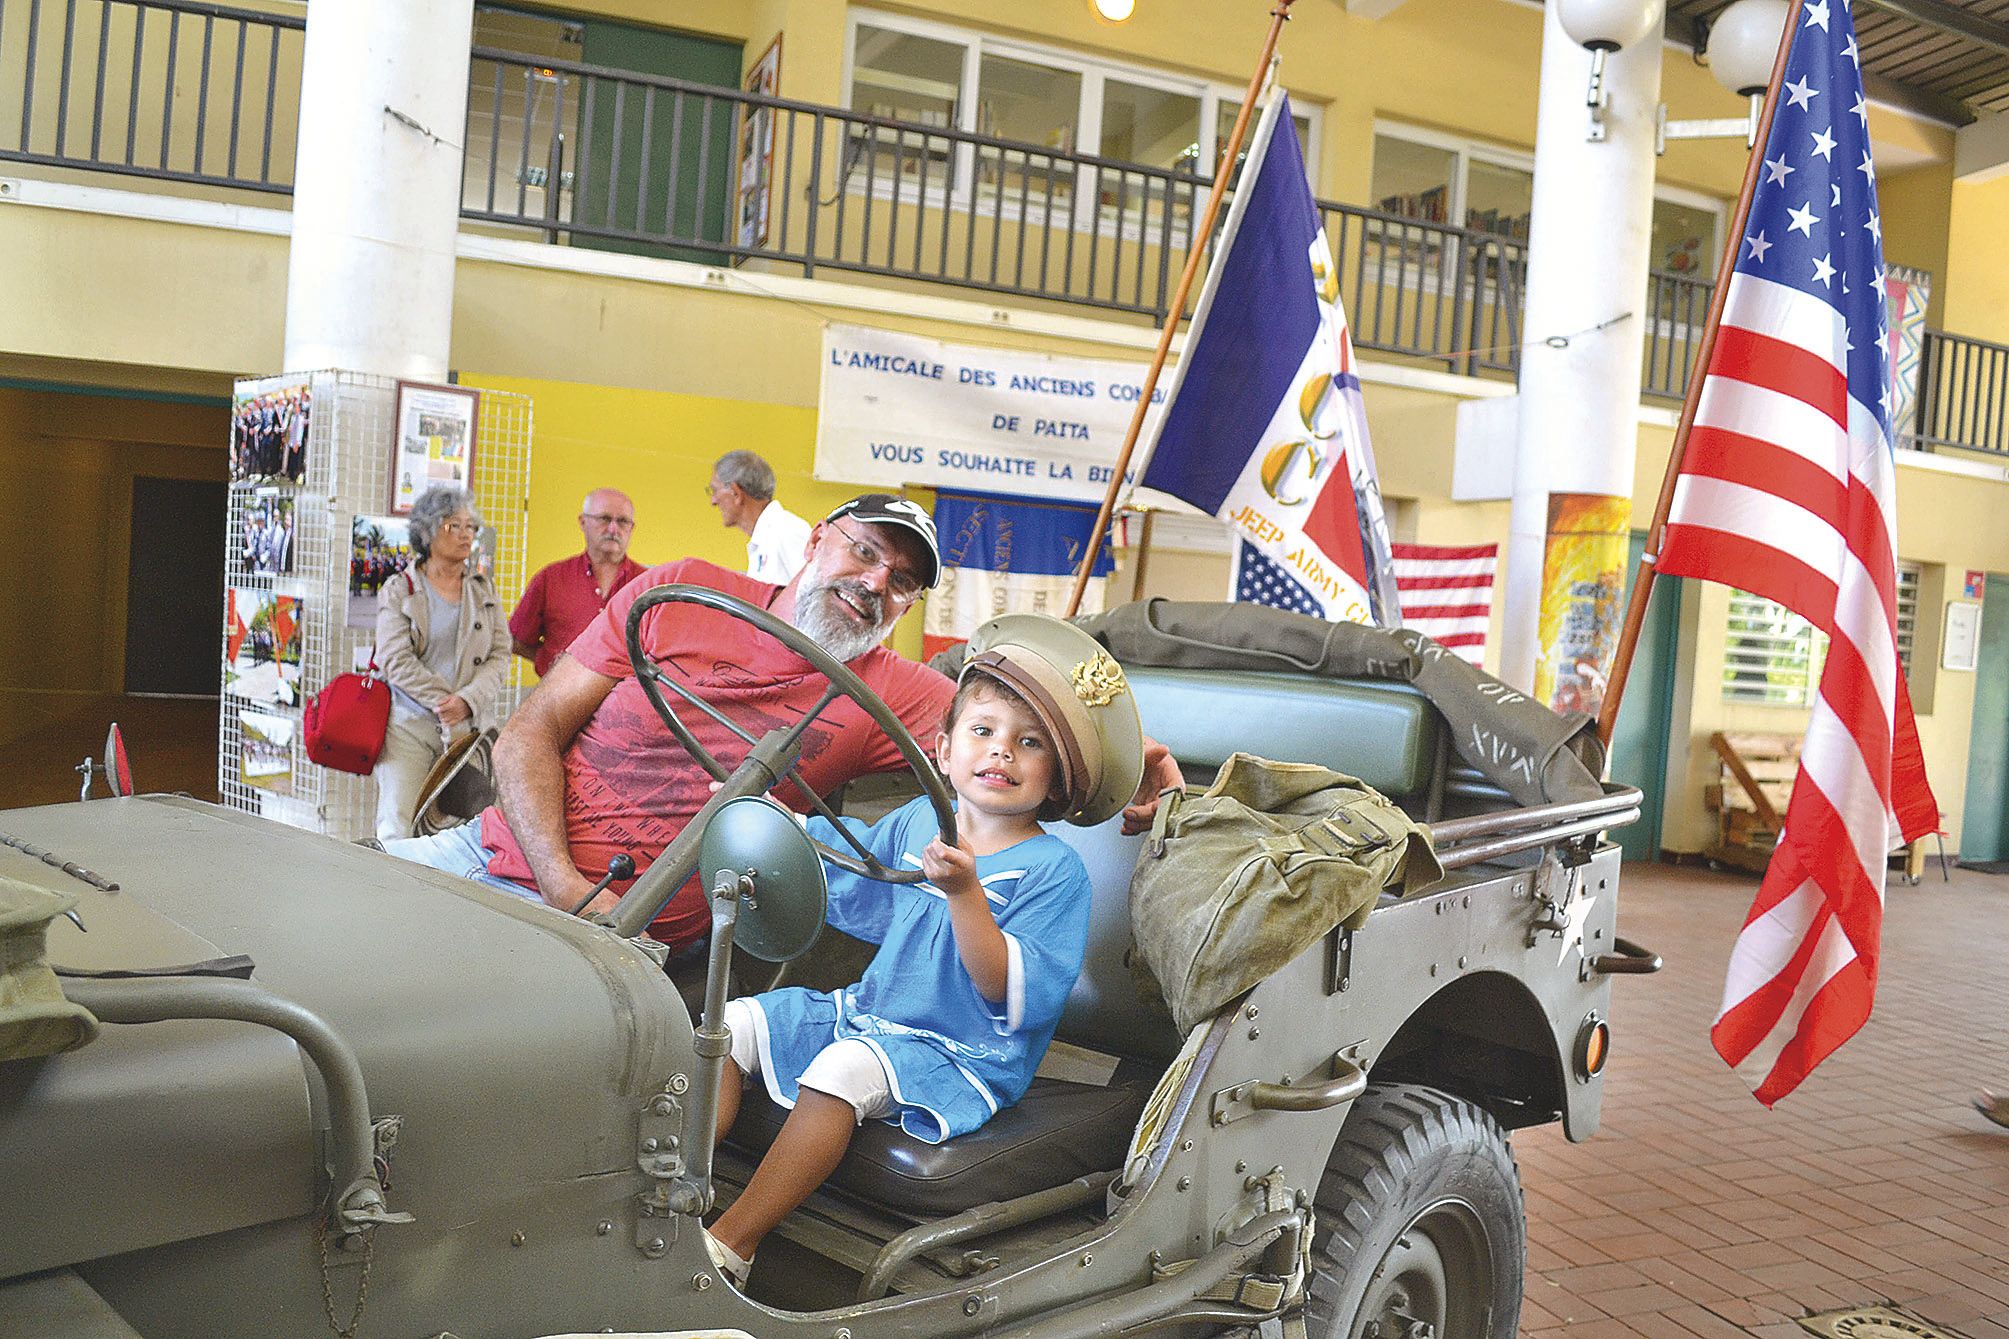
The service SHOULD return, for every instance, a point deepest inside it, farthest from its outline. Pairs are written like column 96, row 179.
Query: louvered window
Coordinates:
column 1774, row 656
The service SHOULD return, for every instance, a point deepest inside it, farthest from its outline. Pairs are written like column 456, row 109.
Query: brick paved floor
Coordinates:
column 1694, row 1213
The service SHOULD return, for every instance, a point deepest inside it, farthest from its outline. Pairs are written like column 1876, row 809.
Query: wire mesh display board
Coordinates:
column 312, row 453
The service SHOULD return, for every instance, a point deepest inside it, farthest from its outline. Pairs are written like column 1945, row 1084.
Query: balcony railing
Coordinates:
column 609, row 159
column 168, row 89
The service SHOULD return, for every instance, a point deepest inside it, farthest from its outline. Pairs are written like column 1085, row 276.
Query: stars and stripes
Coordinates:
column 1446, row 592
column 1787, row 489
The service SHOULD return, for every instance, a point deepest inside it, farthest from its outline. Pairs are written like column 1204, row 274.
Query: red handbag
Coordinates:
column 344, row 723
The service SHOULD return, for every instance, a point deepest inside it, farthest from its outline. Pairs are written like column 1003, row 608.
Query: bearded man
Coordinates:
column 586, row 769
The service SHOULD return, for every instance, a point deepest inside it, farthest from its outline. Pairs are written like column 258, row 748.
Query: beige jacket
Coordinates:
column 483, row 664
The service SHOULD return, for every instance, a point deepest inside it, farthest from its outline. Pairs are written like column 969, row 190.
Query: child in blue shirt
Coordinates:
column 956, row 1009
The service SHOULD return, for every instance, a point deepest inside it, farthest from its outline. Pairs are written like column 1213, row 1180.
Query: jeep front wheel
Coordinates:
column 1420, row 1232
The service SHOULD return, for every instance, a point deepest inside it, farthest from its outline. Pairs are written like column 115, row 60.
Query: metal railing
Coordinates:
column 1963, row 395
column 183, row 91
column 168, row 89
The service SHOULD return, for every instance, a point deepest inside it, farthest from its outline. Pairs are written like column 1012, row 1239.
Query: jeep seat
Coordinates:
column 1387, row 734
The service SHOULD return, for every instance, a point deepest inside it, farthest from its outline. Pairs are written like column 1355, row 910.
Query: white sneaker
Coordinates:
column 727, row 1260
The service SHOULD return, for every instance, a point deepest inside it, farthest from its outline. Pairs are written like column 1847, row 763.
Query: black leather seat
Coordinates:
column 1058, row 1131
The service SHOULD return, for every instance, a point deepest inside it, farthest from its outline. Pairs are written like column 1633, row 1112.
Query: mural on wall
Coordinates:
column 1906, row 293
column 1583, row 598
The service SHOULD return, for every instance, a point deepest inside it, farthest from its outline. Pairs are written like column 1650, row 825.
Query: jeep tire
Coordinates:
column 1420, row 1231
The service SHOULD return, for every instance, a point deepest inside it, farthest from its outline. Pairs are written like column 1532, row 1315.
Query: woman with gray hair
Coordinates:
column 443, row 646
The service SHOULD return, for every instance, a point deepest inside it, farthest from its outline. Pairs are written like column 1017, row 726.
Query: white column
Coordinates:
column 376, row 196
column 1587, row 263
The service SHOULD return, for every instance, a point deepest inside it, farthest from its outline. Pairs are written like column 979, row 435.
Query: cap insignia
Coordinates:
column 1098, row 681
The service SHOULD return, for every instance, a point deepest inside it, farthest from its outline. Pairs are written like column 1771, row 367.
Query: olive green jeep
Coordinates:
column 338, row 1093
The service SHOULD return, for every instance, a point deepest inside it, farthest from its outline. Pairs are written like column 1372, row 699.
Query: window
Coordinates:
column 937, row 75
column 1438, row 178
column 1774, row 656
column 1907, row 612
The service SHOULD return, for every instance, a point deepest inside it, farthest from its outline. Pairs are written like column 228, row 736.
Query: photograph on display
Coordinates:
column 265, row 751
column 261, row 654
column 269, row 536
column 756, row 149
column 378, row 547
column 435, row 441
column 268, row 434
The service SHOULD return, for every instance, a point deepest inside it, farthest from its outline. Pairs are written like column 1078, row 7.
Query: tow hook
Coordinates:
column 1627, row 959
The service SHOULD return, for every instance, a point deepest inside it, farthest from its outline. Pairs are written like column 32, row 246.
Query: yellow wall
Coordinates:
column 658, row 447
column 1977, row 289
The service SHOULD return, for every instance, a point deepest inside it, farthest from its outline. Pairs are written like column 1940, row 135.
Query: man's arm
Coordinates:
column 530, row 777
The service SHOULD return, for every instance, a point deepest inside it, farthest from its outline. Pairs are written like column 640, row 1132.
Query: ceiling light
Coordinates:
column 1115, row 10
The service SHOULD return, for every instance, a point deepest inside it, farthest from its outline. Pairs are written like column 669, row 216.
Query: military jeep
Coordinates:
column 337, row 1092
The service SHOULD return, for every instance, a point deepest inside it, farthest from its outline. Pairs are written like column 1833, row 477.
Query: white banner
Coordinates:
column 899, row 409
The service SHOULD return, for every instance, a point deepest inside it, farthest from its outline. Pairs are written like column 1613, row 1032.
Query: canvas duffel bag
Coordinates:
column 1239, row 879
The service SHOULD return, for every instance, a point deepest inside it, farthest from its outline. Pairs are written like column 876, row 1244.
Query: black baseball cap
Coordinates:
column 891, row 509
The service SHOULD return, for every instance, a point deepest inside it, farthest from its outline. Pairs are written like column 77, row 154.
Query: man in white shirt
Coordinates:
column 742, row 488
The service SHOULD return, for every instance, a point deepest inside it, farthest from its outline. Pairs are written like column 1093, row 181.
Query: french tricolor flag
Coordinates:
column 1265, row 427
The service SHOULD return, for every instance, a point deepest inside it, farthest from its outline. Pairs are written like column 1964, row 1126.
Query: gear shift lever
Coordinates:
column 622, row 866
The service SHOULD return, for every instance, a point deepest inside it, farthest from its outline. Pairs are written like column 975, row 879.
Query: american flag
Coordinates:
column 1446, row 592
column 1787, row 489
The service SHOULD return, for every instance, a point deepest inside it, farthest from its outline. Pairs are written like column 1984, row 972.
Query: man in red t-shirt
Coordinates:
column 586, row 769
column 567, row 595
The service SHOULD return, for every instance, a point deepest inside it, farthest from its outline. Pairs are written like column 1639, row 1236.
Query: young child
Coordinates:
column 956, row 1009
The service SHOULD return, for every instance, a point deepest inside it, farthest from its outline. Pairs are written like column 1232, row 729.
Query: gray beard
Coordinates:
column 819, row 617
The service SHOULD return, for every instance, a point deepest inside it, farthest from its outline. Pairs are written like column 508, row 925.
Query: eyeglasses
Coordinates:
column 607, row 522
column 459, row 527
column 899, row 580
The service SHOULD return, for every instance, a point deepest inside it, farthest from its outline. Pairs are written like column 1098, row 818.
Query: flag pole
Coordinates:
column 1198, row 250
column 1642, row 582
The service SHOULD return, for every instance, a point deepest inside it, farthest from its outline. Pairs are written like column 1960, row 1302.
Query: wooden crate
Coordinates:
column 1754, row 783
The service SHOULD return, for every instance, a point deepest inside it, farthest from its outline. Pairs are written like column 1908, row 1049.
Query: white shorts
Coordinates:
column 848, row 1070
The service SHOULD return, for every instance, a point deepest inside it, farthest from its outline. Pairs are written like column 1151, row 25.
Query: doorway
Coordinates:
column 174, row 590
column 1646, row 715
column 1984, row 824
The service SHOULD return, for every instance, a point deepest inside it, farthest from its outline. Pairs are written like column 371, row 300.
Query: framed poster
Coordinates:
column 756, row 149
column 435, row 440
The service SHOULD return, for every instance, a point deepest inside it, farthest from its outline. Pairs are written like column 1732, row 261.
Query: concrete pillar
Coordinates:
column 376, row 196
column 1577, row 426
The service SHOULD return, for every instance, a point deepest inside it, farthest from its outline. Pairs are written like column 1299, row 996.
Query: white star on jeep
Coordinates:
column 1579, row 912
column 1803, row 220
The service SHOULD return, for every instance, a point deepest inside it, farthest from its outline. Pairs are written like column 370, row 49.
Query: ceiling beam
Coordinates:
column 1942, row 17
column 1923, row 101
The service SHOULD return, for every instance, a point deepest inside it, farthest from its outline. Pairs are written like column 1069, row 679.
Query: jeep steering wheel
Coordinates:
column 843, row 683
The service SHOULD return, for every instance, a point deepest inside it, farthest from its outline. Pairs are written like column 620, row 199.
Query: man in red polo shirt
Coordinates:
column 570, row 593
